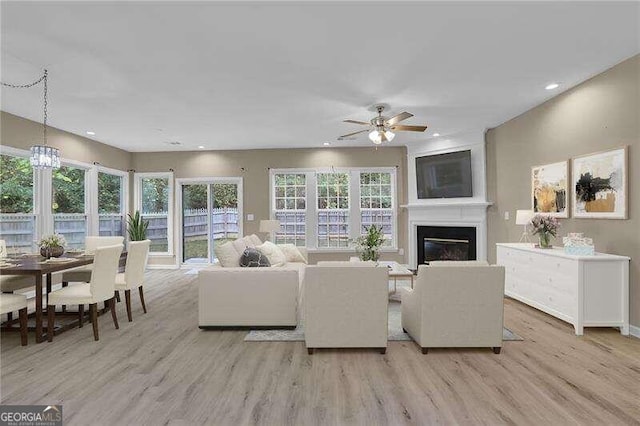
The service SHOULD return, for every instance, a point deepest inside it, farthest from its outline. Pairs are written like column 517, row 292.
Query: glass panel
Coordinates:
column 17, row 226
column 69, row 218
column 110, row 205
column 225, row 220
column 16, row 185
column 376, row 203
column 195, row 226
column 155, row 207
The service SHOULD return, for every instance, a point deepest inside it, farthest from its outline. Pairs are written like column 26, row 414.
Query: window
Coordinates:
column 154, row 199
column 111, row 204
column 17, row 221
column 333, row 209
column 290, row 207
column 68, row 207
column 325, row 209
column 376, row 203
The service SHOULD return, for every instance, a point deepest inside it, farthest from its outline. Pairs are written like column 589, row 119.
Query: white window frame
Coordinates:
column 234, row 180
column 354, row 202
column 43, row 193
column 272, row 203
column 170, row 211
column 124, row 197
column 90, row 176
column 35, row 205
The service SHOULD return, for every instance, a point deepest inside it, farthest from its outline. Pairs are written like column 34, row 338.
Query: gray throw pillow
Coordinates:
column 252, row 258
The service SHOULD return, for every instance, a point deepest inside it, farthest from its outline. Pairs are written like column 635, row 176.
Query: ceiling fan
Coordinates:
column 380, row 127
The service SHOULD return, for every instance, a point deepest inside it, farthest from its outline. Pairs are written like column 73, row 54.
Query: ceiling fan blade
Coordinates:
column 402, row 127
column 364, row 123
column 398, row 118
column 352, row 134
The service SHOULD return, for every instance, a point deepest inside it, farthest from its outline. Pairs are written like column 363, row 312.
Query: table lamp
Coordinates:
column 269, row 227
column 523, row 217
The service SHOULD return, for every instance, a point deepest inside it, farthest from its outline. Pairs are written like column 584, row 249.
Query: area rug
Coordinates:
column 395, row 330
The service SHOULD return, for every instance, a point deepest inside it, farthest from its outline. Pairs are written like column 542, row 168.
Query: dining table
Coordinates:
column 41, row 270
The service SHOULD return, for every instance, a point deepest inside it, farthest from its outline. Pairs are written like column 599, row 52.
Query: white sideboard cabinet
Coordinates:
column 585, row 291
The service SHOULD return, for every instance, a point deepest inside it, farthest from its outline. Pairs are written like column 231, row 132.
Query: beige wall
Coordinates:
column 21, row 133
column 599, row 114
column 256, row 165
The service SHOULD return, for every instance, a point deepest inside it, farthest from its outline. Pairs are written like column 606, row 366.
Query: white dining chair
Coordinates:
column 101, row 288
column 83, row 273
column 16, row 303
column 11, row 283
column 133, row 276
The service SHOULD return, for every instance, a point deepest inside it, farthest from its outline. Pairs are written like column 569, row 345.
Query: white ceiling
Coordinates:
column 260, row 75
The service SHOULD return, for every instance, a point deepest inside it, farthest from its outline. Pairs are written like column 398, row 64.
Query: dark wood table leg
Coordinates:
column 49, row 286
column 38, row 308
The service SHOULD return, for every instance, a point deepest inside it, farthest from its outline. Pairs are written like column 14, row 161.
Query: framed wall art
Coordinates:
column 600, row 185
column 550, row 189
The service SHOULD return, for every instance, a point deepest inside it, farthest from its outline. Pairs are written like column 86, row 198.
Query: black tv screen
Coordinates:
column 444, row 175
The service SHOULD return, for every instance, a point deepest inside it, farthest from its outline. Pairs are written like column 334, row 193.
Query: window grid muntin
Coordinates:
column 290, row 198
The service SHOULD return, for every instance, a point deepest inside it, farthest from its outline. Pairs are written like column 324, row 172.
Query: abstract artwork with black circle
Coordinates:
column 253, row 258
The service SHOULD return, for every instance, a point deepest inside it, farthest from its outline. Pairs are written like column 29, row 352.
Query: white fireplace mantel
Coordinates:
column 472, row 214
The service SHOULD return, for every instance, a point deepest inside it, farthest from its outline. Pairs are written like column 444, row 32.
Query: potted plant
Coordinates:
column 368, row 245
column 137, row 227
column 52, row 246
column 545, row 227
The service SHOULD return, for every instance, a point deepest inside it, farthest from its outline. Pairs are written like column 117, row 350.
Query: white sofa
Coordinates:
column 345, row 306
column 233, row 296
column 455, row 304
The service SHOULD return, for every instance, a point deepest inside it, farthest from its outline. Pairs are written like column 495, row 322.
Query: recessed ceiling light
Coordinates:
column 200, row 147
column 327, row 144
column 90, row 133
column 436, row 134
column 552, row 86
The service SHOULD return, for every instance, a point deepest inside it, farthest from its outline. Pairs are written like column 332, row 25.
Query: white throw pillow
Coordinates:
column 292, row 253
column 274, row 254
column 227, row 255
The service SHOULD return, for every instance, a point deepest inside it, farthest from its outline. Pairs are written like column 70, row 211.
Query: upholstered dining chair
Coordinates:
column 133, row 276
column 16, row 302
column 83, row 273
column 11, row 283
column 101, row 288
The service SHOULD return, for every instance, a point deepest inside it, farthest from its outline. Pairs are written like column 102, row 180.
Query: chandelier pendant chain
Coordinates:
column 42, row 156
column 42, row 80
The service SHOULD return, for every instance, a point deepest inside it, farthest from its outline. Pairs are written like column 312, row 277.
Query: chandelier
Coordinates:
column 42, row 156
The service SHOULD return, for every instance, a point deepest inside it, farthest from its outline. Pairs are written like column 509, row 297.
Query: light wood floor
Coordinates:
column 161, row 369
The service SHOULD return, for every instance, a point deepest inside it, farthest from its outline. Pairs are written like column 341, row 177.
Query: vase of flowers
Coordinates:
column 545, row 227
column 52, row 246
column 368, row 245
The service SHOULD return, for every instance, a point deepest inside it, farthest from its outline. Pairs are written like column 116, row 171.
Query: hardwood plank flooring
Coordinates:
column 161, row 369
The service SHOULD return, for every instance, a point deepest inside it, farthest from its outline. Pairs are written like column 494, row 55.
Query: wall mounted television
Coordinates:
column 444, row 175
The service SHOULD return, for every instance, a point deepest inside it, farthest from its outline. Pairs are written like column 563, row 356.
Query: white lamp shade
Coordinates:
column 269, row 225
column 523, row 217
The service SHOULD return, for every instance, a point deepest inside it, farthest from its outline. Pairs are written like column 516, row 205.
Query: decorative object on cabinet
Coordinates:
column 544, row 227
column 600, row 187
column 585, row 291
column 575, row 243
column 523, row 217
column 549, row 189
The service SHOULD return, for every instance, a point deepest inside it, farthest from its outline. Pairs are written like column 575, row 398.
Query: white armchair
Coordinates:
column 345, row 306
column 455, row 306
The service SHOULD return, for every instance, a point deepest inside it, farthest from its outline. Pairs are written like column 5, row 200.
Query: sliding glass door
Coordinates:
column 211, row 214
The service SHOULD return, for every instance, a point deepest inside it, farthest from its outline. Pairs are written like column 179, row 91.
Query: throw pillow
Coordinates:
column 253, row 258
column 274, row 254
column 227, row 255
column 292, row 253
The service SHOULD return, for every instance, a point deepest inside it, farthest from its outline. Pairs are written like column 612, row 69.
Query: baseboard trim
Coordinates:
column 247, row 327
column 162, row 267
column 634, row 331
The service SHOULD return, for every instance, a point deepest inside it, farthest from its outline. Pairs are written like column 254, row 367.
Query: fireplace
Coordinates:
column 446, row 243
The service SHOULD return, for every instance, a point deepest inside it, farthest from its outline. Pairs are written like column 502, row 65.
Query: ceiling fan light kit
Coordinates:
column 381, row 127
